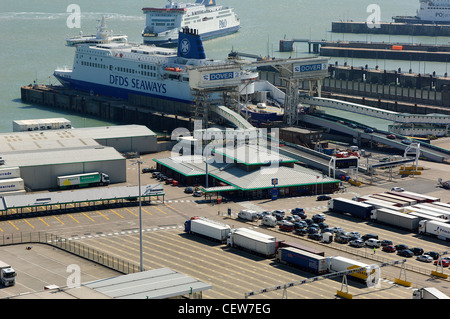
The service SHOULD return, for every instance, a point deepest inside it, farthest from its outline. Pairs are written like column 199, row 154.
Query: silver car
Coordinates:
column 425, row 258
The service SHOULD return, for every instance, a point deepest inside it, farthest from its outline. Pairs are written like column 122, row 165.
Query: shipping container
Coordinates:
column 302, row 259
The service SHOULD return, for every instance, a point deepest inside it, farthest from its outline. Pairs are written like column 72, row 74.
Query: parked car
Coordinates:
column 356, row 243
column 264, row 213
column 312, row 230
column 435, row 255
column 425, row 258
column 369, row 236
column 389, row 248
column 188, row 190
column 353, row 234
column 322, row 225
column 198, row 194
column 341, row 239
column 397, row 189
column 299, row 212
column 279, row 216
column 323, row 197
column 289, row 218
column 405, row 253
column 390, row 136
column 417, row 251
column 148, row 170
column 286, row 226
column 300, row 225
column 338, row 230
column 317, row 218
column 368, row 130
column 444, row 262
column 315, row 236
column 301, row 231
column 174, row 183
column 309, row 221
column 169, row 181
column 326, row 230
column 401, row 247
column 386, row 242
column 155, row 174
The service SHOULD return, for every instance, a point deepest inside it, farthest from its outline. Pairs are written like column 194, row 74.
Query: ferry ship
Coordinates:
column 121, row 69
column 103, row 36
column 430, row 12
column 163, row 24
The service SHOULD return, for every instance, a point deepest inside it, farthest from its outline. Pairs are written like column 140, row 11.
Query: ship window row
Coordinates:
column 133, row 71
column 147, row 67
column 94, row 65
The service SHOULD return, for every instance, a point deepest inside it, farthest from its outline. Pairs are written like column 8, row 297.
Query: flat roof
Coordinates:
column 152, row 284
column 62, row 156
column 240, row 179
column 78, row 196
column 252, row 154
column 114, row 131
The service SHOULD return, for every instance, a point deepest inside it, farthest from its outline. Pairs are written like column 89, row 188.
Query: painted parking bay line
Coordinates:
column 88, row 217
column 116, row 213
column 58, row 219
column 102, row 215
column 13, row 225
column 26, row 221
column 44, row 221
column 73, row 218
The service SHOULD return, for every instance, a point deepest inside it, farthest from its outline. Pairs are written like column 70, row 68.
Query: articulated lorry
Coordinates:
column 302, row 259
column 7, row 274
column 438, row 229
column 82, row 180
column 348, row 206
column 207, row 228
column 370, row 275
column 253, row 241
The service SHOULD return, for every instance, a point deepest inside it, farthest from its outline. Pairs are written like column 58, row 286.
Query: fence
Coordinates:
column 72, row 247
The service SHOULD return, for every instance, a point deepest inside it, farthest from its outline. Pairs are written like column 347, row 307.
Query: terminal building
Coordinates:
column 246, row 172
column 41, row 155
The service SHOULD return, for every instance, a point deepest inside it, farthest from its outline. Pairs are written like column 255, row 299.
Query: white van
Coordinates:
column 246, row 214
column 372, row 242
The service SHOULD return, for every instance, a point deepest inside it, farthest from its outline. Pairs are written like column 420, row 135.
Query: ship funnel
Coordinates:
column 190, row 45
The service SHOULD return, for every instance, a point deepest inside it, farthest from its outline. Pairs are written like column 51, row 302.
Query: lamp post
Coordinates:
column 139, row 162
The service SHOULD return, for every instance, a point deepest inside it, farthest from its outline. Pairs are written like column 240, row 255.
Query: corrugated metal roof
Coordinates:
column 252, row 154
column 78, row 196
column 152, row 284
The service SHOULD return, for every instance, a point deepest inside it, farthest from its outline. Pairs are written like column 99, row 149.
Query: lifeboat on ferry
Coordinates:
column 171, row 69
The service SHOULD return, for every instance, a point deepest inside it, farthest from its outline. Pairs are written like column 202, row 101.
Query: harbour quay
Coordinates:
column 432, row 30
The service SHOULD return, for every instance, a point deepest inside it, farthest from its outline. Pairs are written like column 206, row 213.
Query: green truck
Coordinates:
column 83, row 180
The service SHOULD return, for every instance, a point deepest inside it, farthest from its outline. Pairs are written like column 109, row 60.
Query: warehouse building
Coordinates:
column 247, row 172
column 44, row 155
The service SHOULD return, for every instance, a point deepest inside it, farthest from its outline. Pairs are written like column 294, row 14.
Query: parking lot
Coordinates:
column 232, row 272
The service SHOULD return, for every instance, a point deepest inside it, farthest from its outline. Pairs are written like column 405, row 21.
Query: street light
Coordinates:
column 139, row 162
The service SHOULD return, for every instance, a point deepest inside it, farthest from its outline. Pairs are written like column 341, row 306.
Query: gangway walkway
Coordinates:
column 436, row 119
column 231, row 116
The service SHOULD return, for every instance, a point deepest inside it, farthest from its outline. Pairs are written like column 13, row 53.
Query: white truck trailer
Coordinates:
column 438, row 229
column 207, row 228
column 7, row 274
column 429, row 293
column 396, row 219
column 370, row 275
column 253, row 241
column 82, row 180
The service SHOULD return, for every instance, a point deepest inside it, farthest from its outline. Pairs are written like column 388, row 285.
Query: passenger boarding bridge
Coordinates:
column 434, row 119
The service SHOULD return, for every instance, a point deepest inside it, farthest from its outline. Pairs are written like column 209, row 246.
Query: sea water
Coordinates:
column 32, row 39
